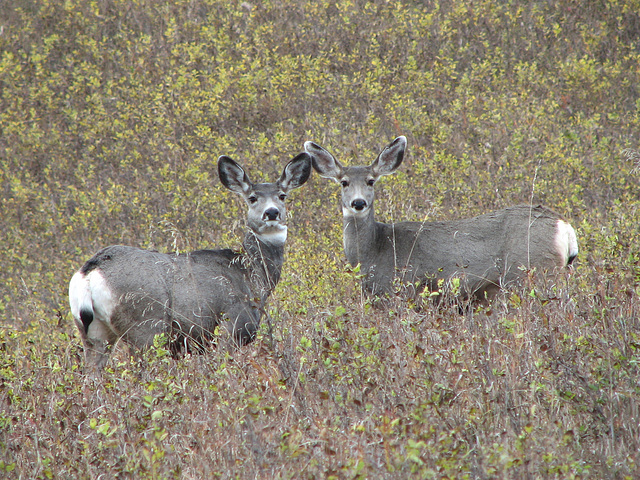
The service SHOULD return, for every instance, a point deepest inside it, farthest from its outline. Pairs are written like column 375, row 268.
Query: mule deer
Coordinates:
column 486, row 252
column 133, row 294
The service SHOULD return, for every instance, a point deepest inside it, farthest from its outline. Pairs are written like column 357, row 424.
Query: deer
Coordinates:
column 486, row 253
column 131, row 294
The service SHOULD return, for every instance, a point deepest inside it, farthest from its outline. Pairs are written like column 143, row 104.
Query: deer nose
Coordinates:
column 359, row 204
column 271, row 214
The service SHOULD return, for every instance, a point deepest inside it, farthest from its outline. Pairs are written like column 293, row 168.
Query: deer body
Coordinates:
column 133, row 294
column 486, row 252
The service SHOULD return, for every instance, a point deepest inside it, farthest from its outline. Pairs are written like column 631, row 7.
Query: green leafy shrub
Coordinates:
column 112, row 116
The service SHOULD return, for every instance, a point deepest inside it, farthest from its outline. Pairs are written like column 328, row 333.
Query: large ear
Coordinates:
column 232, row 175
column 323, row 162
column 390, row 158
column 296, row 172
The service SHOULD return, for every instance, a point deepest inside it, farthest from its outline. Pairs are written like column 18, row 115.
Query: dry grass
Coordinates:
column 112, row 115
column 541, row 385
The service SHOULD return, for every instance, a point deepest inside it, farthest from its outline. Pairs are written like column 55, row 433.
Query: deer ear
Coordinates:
column 390, row 158
column 323, row 162
column 233, row 176
column 296, row 173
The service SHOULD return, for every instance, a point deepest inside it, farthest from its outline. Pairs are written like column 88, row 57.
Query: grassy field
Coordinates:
column 112, row 116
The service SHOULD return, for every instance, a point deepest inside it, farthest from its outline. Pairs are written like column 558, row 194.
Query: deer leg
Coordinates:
column 243, row 323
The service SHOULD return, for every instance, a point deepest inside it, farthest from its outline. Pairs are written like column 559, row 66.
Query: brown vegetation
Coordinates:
column 112, row 114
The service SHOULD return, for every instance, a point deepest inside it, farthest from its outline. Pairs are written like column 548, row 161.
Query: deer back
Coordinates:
column 487, row 252
column 133, row 294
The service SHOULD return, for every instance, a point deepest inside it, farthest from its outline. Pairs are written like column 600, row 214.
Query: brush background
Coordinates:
column 112, row 116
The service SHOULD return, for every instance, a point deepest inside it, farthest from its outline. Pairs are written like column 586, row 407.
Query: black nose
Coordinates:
column 359, row 204
column 271, row 213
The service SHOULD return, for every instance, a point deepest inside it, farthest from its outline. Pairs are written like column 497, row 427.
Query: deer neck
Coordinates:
column 360, row 235
column 264, row 262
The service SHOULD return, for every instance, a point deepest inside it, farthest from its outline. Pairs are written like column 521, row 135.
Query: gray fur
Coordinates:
column 485, row 252
column 136, row 294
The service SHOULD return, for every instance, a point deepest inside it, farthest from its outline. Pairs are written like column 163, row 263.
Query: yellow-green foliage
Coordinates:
column 112, row 116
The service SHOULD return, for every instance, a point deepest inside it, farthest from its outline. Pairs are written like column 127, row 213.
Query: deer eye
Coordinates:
column 252, row 199
column 344, row 183
column 371, row 181
column 283, row 197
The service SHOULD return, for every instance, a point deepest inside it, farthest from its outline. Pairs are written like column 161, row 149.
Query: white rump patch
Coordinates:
column 79, row 295
column 102, row 298
column 90, row 294
column 275, row 237
column 566, row 241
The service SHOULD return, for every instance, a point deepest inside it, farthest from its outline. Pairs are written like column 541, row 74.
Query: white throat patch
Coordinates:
column 274, row 237
column 352, row 212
